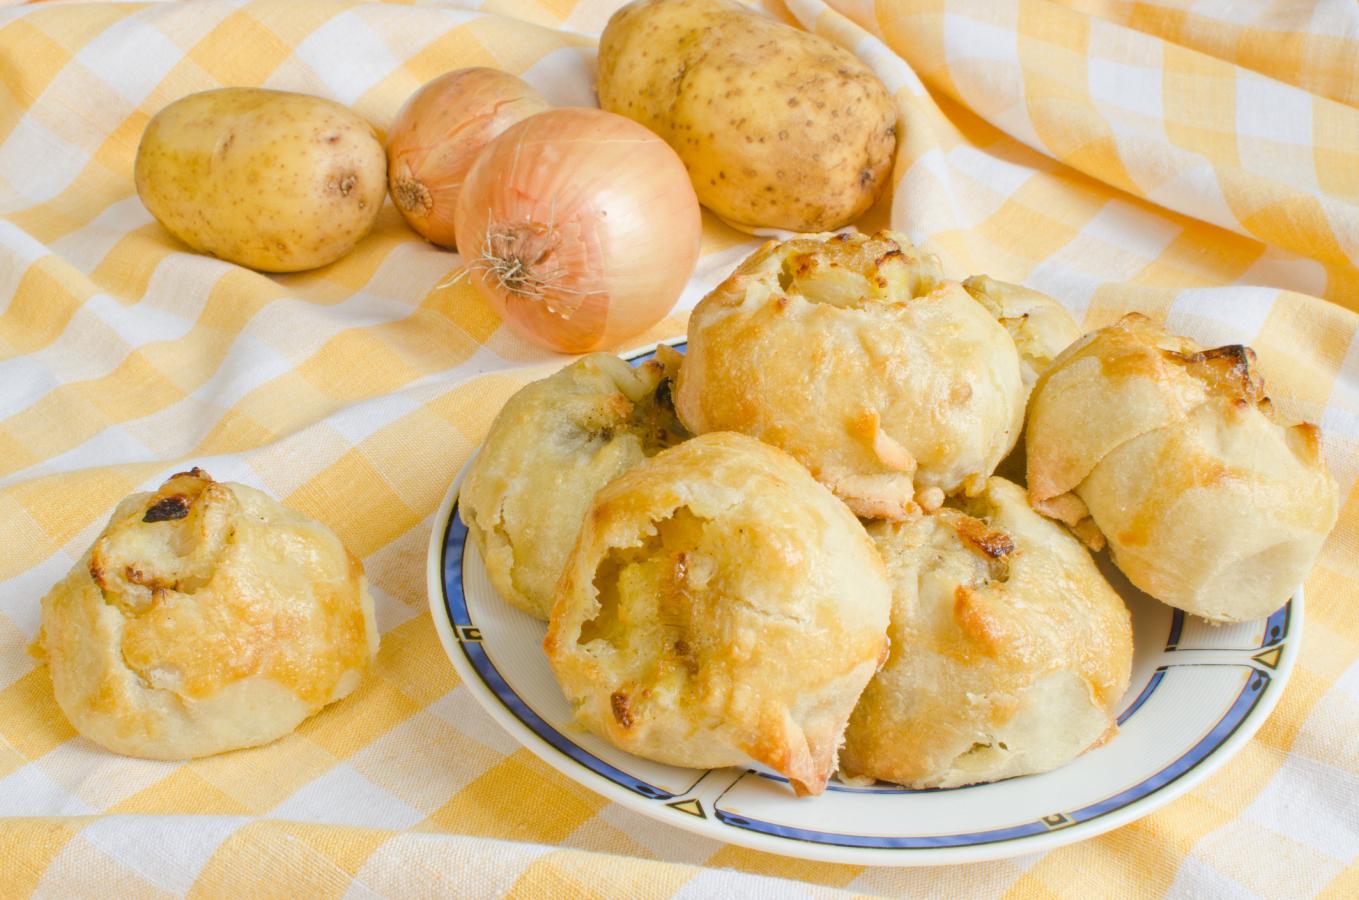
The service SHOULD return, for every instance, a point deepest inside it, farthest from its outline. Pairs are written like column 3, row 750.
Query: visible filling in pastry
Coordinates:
column 650, row 415
column 991, row 548
column 857, row 273
column 649, row 596
column 1228, row 371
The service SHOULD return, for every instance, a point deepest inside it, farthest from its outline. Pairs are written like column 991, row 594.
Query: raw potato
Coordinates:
column 777, row 127
column 272, row 180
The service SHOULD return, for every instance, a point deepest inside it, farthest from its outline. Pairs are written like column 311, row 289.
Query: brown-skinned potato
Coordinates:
column 276, row 181
column 778, row 128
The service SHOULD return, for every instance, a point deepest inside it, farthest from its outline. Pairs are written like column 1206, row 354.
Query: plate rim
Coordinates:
column 811, row 850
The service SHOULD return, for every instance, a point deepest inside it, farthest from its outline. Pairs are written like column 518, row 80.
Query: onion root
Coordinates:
column 519, row 257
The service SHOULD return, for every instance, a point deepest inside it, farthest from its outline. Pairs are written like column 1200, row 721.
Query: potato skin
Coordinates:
column 777, row 127
column 272, row 180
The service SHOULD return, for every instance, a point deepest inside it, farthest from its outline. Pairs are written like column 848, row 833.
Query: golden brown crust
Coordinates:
column 1009, row 649
column 1229, row 372
column 555, row 443
column 1040, row 326
column 1176, row 455
column 205, row 618
column 1125, row 380
column 851, row 353
column 720, row 607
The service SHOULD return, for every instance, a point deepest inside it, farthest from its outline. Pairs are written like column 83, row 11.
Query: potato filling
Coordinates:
column 649, row 599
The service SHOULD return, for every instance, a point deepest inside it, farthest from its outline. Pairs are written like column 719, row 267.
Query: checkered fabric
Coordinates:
column 1197, row 160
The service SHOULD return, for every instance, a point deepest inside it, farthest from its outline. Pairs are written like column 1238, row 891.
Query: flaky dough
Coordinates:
column 555, row 443
column 851, row 353
column 1009, row 649
column 1041, row 329
column 205, row 618
column 1040, row 326
column 1174, row 454
column 720, row 607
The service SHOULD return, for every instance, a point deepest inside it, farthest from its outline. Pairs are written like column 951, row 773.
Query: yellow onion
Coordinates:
column 580, row 227
column 438, row 134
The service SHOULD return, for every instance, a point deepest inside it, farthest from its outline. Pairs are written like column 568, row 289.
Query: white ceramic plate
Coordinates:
column 1198, row 692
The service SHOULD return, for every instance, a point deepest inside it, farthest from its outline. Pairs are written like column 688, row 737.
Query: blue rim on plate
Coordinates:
column 1266, row 668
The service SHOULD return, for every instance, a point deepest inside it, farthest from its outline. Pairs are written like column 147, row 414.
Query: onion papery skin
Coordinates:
column 580, row 227
column 437, row 135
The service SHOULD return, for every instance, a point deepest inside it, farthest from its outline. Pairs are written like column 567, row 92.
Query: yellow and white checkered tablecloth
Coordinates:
column 1197, row 160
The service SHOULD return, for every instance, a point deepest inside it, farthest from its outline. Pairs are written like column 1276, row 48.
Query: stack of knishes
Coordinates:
column 788, row 546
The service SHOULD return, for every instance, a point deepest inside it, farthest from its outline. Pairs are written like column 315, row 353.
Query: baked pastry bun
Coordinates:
column 1040, row 326
column 720, row 607
column 1009, row 649
column 205, row 618
column 1041, row 329
column 851, row 353
column 555, row 443
column 1174, row 454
